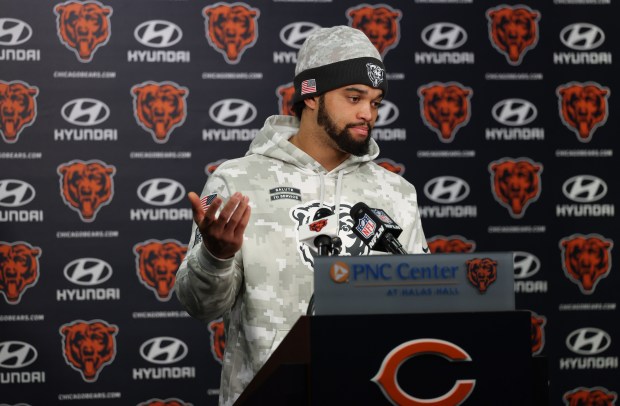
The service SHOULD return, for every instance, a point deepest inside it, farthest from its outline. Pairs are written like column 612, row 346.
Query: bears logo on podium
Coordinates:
column 83, row 27
column 445, row 108
column 88, row 346
column 481, row 272
column 159, row 108
column 513, row 31
column 583, row 107
column 515, row 183
column 231, row 29
column 19, row 269
column 18, row 108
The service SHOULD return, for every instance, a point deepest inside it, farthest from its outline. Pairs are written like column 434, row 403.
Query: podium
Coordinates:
column 332, row 360
column 366, row 345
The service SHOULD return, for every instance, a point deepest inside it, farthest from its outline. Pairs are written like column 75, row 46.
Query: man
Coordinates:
column 247, row 264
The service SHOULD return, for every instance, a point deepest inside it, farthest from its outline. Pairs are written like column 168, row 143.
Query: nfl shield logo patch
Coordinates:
column 366, row 226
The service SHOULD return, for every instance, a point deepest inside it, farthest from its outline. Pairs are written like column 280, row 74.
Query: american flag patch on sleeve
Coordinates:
column 308, row 86
column 207, row 200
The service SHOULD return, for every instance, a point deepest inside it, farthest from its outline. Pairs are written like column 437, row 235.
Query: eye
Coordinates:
column 376, row 104
column 354, row 99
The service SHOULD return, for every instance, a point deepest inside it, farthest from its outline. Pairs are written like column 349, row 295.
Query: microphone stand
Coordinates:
column 326, row 247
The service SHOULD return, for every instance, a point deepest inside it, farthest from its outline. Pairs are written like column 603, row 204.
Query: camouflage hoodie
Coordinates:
column 263, row 290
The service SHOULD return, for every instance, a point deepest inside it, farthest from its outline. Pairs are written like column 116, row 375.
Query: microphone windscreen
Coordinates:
column 358, row 209
column 322, row 213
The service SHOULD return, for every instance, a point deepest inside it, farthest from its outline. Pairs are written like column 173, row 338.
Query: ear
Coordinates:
column 312, row 102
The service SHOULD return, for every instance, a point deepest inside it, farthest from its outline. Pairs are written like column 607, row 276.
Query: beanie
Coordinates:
column 335, row 57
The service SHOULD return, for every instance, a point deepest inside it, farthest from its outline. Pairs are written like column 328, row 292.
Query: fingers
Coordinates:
column 245, row 219
column 196, row 207
column 236, row 216
column 232, row 212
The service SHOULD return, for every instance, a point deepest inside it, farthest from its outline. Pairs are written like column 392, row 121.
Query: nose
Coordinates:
column 365, row 112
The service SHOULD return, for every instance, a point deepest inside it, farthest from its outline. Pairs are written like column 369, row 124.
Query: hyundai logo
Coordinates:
column 163, row 350
column 582, row 36
column 588, row 341
column 584, row 188
column 514, row 112
column 15, row 193
column 294, row 34
column 158, row 33
column 525, row 264
column 14, row 32
column 444, row 36
column 446, row 189
column 88, row 271
column 388, row 113
column 232, row 112
column 161, row 192
column 85, row 112
column 16, row 354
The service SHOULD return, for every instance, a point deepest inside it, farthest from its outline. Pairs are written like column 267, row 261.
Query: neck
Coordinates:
column 313, row 140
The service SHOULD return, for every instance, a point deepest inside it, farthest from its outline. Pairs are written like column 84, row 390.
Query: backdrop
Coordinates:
column 502, row 115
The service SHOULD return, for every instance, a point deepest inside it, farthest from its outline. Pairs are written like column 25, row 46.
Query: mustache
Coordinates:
column 367, row 125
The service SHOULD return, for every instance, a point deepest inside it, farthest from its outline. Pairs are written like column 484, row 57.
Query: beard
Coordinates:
column 341, row 137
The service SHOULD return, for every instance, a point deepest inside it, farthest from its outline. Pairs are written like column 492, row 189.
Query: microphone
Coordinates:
column 321, row 235
column 376, row 229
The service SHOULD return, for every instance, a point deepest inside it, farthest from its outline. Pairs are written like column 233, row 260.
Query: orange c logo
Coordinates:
column 387, row 380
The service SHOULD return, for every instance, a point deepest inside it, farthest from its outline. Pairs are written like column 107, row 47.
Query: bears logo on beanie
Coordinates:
column 334, row 57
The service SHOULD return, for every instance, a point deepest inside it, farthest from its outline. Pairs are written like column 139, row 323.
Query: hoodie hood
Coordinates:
column 272, row 141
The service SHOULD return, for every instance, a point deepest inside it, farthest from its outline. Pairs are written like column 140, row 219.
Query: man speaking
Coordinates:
column 245, row 261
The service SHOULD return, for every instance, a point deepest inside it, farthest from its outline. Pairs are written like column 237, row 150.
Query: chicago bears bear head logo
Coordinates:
column 232, row 28
column 19, row 269
column 391, row 165
column 446, row 107
column 583, row 108
column 212, row 166
column 380, row 23
column 83, row 27
column 285, row 95
column 218, row 339
column 166, row 402
column 157, row 263
column 537, row 333
column 86, row 186
column 159, row 108
column 481, row 272
column 597, row 396
column 89, row 346
column 376, row 73
column 513, row 31
column 351, row 244
column 586, row 259
column 515, row 183
column 452, row 244
column 18, row 108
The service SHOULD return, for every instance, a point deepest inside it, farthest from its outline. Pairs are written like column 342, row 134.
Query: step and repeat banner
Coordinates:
column 503, row 116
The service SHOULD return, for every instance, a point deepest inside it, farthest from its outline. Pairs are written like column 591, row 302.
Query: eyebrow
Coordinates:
column 362, row 91
column 356, row 89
